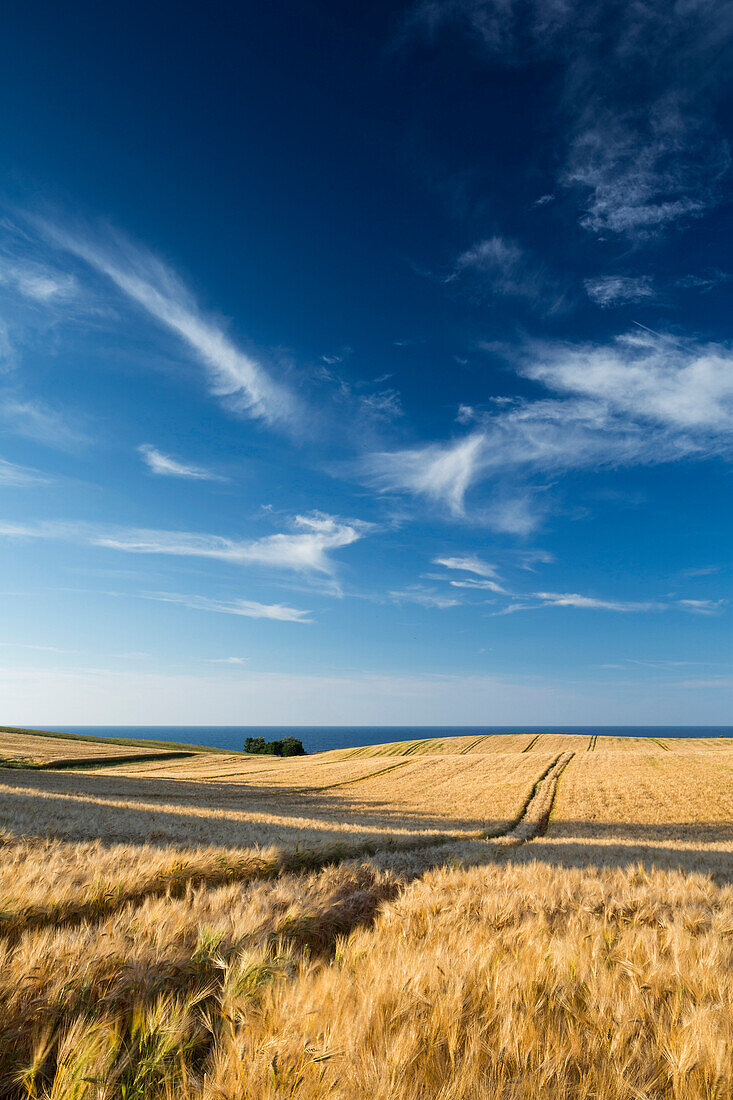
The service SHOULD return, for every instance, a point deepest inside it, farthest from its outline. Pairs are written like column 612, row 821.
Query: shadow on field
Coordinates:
column 692, row 847
column 83, row 805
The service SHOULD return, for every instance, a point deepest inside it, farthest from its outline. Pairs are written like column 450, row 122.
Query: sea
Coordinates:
column 320, row 738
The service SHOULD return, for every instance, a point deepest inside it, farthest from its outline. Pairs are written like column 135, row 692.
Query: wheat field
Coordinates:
column 508, row 917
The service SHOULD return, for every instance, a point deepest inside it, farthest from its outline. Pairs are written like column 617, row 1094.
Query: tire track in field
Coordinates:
column 592, row 743
column 473, row 744
column 359, row 779
column 534, row 820
column 532, row 743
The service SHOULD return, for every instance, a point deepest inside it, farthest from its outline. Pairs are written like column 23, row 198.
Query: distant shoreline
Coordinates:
column 321, row 738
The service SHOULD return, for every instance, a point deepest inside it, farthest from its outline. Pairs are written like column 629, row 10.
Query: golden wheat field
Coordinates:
column 509, row 917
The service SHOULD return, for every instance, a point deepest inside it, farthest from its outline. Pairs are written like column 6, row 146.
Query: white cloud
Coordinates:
column 37, row 282
column 372, row 407
column 441, row 472
column 425, row 597
column 703, row 283
column 638, row 170
column 703, row 607
column 249, row 609
column 305, row 550
column 229, row 660
column 530, row 559
column 308, row 549
column 7, row 351
column 646, row 170
column 35, row 420
column 486, row 585
column 469, row 563
column 573, row 599
column 618, row 290
column 19, row 476
column 592, row 603
column 504, row 268
column 166, row 466
column 234, row 376
column 679, row 384
column 466, row 413
column 642, row 399
column 496, row 256
column 383, row 405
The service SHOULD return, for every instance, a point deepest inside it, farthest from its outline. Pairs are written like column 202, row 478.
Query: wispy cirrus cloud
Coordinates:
column 680, row 384
column 469, row 563
column 637, row 169
column 367, row 400
column 242, row 382
column 20, row 476
column 485, row 577
column 644, row 170
column 499, row 267
column 703, row 607
column 642, row 399
column 532, row 601
column 306, row 549
column 39, row 282
column 441, row 472
column 573, row 599
column 33, row 419
column 619, row 290
column 165, row 466
column 249, row 609
column 535, row 600
column 705, row 282
column 230, row 660
column 425, row 597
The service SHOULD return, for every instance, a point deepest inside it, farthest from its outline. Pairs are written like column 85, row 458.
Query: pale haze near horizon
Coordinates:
column 100, row 698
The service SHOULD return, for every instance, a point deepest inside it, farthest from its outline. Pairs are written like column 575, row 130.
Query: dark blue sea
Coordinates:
column 320, row 738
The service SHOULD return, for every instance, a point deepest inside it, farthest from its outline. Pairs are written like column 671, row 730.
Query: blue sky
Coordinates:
column 366, row 366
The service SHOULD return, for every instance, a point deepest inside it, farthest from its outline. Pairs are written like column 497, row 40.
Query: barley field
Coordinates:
column 37, row 748
column 509, row 917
